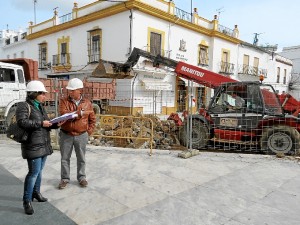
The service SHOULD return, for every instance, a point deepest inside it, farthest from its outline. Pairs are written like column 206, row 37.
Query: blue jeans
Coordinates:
column 34, row 177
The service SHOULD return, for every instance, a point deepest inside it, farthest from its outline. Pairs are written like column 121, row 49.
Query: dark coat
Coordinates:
column 39, row 142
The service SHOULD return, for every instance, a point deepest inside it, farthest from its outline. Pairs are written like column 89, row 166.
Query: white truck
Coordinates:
column 15, row 73
column 12, row 90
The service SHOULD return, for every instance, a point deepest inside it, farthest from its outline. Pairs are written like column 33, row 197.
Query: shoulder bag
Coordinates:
column 17, row 133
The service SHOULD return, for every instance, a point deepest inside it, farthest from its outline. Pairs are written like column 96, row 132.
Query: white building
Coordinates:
column 293, row 53
column 72, row 45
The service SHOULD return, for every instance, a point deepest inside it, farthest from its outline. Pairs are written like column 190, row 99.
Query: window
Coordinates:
column 7, row 75
column 20, row 76
column 155, row 43
column 63, row 53
column 284, row 76
column 203, row 55
column 94, row 45
column 255, row 66
column 278, row 75
column 272, row 105
column 63, row 56
column 43, row 55
column 225, row 66
column 246, row 64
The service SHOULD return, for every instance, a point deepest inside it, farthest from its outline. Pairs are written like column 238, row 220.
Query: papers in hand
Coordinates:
column 64, row 117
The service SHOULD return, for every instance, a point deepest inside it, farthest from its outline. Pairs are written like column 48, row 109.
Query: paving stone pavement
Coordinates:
column 129, row 187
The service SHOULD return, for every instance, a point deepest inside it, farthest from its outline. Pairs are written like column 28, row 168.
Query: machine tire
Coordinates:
column 280, row 139
column 200, row 135
column 11, row 116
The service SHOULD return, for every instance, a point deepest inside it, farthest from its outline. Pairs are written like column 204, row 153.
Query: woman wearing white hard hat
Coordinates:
column 38, row 146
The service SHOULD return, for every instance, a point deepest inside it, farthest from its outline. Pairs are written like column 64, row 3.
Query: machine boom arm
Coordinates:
column 184, row 70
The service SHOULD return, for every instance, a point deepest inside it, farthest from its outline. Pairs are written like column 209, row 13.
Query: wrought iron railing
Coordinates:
column 225, row 30
column 183, row 14
column 61, row 59
column 226, row 68
column 252, row 70
column 95, row 57
column 65, row 18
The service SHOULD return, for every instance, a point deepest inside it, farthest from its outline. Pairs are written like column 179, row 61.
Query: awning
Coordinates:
column 186, row 81
column 152, row 84
column 154, row 79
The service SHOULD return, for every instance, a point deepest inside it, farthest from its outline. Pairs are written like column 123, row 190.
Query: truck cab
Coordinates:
column 12, row 89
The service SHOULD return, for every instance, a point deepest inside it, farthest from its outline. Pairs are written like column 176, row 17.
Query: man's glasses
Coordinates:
column 41, row 93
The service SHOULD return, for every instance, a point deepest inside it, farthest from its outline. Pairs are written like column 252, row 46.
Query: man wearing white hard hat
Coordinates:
column 32, row 116
column 74, row 133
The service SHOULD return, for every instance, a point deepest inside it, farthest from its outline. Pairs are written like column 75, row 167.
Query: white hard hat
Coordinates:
column 74, row 84
column 35, row 86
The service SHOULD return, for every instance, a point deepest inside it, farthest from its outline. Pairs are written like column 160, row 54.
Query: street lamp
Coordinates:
column 34, row 3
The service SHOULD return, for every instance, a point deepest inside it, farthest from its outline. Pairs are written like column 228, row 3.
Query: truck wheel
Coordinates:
column 200, row 135
column 280, row 139
column 11, row 116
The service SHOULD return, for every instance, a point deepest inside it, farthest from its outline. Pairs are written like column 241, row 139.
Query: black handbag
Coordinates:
column 17, row 133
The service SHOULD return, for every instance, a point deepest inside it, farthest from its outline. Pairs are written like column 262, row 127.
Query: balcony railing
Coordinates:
column 183, row 14
column 94, row 57
column 251, row 70
column 203, row 62
column 225, row 30
column 61, row 59
column 65, row 18
column 226, row 68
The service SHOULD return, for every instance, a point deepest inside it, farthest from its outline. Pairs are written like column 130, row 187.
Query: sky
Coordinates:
column 276, row 21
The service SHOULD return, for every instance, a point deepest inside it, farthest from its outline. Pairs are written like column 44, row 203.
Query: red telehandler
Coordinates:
column 259, row 124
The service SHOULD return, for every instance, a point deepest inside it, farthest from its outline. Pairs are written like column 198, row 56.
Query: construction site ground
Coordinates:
column 129, row 187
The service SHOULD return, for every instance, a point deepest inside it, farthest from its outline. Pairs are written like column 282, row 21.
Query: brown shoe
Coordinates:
column 83, row 183
column 63, row 184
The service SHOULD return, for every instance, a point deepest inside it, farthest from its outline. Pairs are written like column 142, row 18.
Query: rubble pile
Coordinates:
column 135, row 132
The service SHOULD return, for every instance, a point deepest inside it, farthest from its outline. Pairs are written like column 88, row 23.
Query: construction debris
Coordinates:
column 135, row 132
column 188, row 153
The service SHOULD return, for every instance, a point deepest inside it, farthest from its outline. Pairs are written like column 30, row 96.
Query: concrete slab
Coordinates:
column 129, row 187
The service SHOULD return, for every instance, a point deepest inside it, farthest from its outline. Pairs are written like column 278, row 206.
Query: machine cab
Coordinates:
column 241, row 105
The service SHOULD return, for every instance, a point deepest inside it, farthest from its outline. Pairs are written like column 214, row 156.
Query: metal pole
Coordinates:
column 191, row 120
column 191, row 11
column 188, row 118
column 34, row 3
column 56, row 88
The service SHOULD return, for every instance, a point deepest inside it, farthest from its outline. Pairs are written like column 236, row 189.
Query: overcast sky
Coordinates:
column 276, row 21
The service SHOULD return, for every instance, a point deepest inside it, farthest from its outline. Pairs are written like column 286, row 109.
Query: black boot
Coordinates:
column 28, row 207
column 38, row 196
